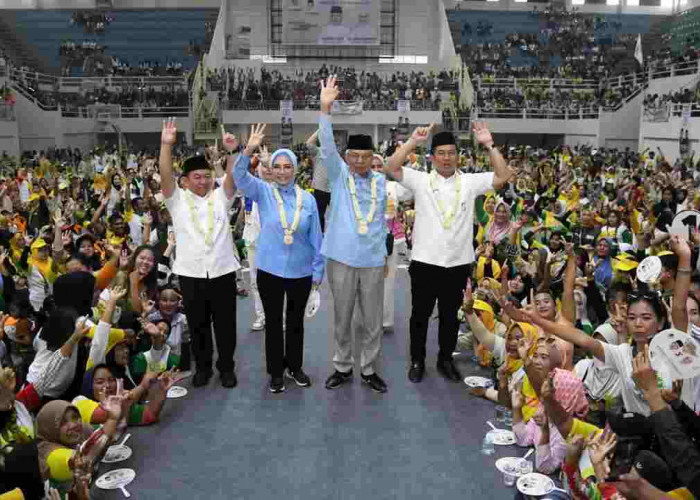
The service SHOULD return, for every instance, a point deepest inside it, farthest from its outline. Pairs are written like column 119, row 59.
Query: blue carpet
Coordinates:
column 416, row 441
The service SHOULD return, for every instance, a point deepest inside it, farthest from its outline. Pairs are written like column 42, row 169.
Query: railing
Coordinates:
column 538, row 114
column 313, row 105
column 68, row 83
column 124, row 112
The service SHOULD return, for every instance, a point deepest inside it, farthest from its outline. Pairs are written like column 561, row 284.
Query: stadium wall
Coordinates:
column 665, row 135
column 9, row 138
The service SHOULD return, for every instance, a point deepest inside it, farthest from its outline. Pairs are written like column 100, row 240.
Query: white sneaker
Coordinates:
column 258, row 324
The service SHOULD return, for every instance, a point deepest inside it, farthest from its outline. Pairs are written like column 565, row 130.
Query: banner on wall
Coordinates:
column 287, row 109
column 403, row 106
column 330, row 22
column 347, row 108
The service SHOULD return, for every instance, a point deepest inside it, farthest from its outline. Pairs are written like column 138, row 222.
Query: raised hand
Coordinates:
column 147, row 219
column 329, row 93
column 643, row 374
column 256, row 138
column 66, row 238
column 420, row 134
column 117, row 293
column 674, row 393
column 679, row 246
column 81, row 328
column 113, row 406
column 228, row 140
column 524, row 346
column 171, row 239
column 468, row 298
column 482, row 134
column 168, row 135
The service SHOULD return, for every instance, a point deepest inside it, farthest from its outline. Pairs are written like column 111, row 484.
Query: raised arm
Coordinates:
column 249, row 184
column 563, row 331
column 230, row 144
column 568, row 304
column 396, row 162
column 168, row 138
column 679, row 314
column 502, row 172
column 329, row 151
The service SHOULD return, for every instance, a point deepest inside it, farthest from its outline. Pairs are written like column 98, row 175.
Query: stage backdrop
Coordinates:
column 331, row 22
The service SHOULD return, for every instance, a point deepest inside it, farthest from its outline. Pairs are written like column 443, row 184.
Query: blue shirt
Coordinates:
column 342, row 241
column 303, row 257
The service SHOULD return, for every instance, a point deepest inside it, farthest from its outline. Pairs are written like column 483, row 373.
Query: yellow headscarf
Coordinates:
column 529, row 332
column 488, row 318
column 43, row 266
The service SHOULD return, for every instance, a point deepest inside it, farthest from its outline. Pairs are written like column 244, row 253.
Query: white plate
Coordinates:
column 649, row 269
column 502, row 437
column 509, row 464
column 474, row 381
column 116, row 479
column 176, row 391
column 534, row 484
column 116, row 453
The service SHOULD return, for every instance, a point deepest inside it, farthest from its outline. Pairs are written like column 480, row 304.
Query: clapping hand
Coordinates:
column 117, row 293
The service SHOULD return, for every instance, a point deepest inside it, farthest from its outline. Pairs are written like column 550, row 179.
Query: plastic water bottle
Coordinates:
column 487, row 447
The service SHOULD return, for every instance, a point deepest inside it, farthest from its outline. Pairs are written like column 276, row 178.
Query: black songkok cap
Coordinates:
column 193, row 163
column 360, row 141
column 441, row 139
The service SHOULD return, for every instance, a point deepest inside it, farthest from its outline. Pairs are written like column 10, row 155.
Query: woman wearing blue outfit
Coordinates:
column 289, row 257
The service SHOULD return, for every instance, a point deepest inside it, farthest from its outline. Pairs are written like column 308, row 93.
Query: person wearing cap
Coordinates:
column 354, row 246
column 288, row 258
column 442, row 237
column 205, row 262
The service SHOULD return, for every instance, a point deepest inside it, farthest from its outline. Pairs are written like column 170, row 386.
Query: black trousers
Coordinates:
column 207, row 300
column 283, row 352
column 428, row 284
column 323, row 198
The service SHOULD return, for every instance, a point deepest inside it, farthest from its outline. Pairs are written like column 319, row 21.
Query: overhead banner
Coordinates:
column 330, row 22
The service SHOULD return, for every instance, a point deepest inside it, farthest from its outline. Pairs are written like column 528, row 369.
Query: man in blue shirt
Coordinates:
column 354, row 246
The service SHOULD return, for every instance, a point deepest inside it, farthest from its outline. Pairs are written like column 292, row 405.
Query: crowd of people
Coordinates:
column 241, row 87
column 114, row 267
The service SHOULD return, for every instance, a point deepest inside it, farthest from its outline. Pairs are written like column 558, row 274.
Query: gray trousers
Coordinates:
column 364, row 285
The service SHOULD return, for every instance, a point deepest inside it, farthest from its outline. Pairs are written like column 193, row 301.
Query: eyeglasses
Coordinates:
column 651, row 295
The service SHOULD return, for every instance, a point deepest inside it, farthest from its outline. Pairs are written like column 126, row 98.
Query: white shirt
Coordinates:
column 194, row 258
column 433, row 244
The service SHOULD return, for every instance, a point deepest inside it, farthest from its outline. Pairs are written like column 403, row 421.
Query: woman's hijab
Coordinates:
column 496, row 231
column 291, row 156
column 514, row 364
column 49, row 422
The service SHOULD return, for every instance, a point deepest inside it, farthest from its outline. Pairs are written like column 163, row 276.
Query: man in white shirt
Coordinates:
column 205, row 262
column 442, row 237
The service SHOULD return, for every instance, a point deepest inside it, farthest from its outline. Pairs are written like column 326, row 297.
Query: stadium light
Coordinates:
column 578, row 2
column 612, row 2
column 520, row 1
column 492, row 0
column 633, row 3
column 403, row 59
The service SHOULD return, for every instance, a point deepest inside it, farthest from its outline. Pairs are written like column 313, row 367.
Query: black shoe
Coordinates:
column 228, row 379
column 448, row 370
column 277, row 385
column 375, row 383
column 201, row 378
column 299, row 377
column 415, row 374
column 337, row 379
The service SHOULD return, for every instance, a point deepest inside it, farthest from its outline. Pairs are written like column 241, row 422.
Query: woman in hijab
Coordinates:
column 568, row 391
column 288, row 258
column 512, row 373
column 603, row 273
column 60, row 432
